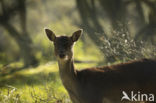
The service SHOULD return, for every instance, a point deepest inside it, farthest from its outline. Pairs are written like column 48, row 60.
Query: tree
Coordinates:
column 10, row 9
column 94, row 14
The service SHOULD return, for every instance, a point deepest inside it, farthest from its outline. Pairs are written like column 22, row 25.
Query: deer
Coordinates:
column 104, row 84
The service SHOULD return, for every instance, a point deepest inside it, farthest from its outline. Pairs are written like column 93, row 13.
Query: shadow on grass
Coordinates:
column 18, row 79
column 14, row 75
column 8, row 69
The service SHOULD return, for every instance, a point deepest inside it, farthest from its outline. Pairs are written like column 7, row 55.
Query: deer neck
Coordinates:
column 67, row 73
column 68, row 76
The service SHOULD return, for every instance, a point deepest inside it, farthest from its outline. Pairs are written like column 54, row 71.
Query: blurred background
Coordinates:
column 114, row 31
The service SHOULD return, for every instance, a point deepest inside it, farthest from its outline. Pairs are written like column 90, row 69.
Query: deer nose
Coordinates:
column 61, row 55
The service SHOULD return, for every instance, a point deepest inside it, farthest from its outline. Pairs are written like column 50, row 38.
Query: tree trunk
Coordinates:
column 25, row 44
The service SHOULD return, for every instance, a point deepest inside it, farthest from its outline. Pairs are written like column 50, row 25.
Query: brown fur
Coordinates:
column 109, row 81
column 101, row 84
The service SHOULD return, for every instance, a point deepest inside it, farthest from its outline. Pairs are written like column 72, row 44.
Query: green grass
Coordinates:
column 39, row 84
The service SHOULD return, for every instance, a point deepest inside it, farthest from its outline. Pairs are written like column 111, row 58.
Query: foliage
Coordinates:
column 123, row 47
column 105, row 16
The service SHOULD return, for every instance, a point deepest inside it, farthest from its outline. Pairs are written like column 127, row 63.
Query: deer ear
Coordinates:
column 76, row 35
column 50, row 34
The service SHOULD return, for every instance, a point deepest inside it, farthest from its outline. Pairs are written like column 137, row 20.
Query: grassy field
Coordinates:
column 39, row 84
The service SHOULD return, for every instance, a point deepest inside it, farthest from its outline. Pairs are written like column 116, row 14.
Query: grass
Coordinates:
column 27, row 85
column 39, row 84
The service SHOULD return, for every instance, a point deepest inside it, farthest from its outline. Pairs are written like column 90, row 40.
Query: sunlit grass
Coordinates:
column 35, row 84
column 32, row 85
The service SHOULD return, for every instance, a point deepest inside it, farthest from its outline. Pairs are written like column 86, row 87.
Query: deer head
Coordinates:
column 63, row 45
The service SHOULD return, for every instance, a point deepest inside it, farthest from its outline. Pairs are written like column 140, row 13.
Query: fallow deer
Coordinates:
column 107, row 84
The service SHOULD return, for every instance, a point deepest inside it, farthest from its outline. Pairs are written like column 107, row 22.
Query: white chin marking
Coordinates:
column 64, row 59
